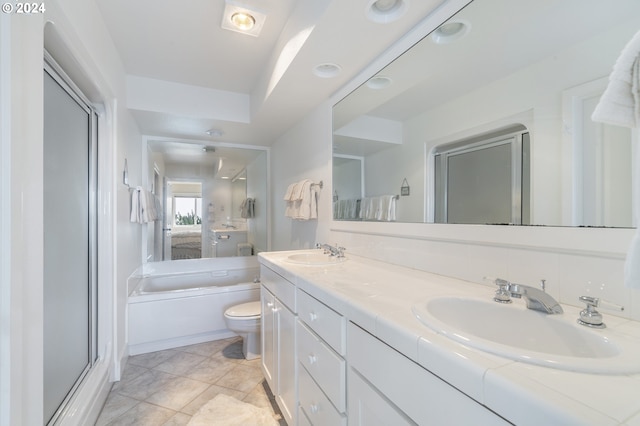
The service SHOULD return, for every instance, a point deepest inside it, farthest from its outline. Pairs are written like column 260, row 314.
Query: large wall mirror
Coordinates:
column 487, row 120
column 213, row 200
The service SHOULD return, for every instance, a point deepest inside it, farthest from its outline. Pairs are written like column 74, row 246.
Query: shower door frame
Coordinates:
column 65, row 82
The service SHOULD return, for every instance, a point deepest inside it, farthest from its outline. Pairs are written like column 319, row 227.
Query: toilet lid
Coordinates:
column 250, row 309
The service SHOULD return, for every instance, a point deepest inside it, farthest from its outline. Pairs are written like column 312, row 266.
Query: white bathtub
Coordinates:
column 182, row 302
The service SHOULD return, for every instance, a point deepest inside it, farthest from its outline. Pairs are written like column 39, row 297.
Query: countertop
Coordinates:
column 379, row 296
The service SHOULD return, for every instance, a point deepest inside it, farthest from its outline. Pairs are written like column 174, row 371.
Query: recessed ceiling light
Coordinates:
column 450, row 31
column 385, row 11
column 242, row 19
column 379, row 82
column 327, row 70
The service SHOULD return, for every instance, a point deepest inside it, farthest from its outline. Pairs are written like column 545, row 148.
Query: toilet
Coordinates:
column 244, row 319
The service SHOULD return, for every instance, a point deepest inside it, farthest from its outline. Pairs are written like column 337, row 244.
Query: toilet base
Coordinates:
column 251, row 345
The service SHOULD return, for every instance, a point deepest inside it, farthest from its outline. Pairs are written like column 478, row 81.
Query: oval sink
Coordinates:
column 522, row 334
column 314, row 259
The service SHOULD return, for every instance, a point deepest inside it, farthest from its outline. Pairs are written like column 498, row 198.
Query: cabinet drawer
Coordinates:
column 325, row 366
column 315, row 405
column 324, row 321
column 419, row 394
column 284, row 290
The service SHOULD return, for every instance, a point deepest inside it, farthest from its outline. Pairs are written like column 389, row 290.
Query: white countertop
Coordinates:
column 378, row 297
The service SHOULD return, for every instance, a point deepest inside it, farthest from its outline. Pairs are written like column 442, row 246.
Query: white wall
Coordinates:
column 80, row 42
column 304, row 152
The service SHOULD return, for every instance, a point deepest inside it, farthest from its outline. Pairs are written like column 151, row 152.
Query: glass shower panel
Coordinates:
column 67, row 242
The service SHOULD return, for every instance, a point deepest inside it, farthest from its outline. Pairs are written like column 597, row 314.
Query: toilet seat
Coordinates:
column 244, row 310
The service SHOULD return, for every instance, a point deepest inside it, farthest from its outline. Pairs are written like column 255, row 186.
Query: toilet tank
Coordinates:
column 227, row 240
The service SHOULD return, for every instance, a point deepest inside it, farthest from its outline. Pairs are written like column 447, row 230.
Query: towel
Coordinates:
column 144, row 206
column 302, row 200
column 305, row 207
column 290, row 198
column 247, row 209
column 381, row 208
column 620, row 102
column 620, row 105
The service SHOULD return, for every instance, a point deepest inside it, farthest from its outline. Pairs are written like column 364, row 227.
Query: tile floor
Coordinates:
column 168, row 387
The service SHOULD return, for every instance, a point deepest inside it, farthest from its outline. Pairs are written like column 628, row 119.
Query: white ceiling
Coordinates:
column 183, row 42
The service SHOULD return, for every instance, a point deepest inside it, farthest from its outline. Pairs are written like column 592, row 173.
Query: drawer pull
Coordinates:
column 313, row 316
column 314, row 408
column 270, row 304
column 312, row 359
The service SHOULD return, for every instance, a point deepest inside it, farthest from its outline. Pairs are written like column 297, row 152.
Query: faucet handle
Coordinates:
column 502, row 295
column 589, row 316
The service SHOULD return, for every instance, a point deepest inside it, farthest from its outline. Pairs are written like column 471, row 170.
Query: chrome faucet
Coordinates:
column 332, row 251
column 536, row 298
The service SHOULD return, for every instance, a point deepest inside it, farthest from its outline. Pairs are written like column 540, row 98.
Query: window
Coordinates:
column 187, row 211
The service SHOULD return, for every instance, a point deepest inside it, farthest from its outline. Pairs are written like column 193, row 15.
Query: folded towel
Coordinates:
column 135, row 206
column 287, row 195
column 620, row 102
column 247, row 208
column 304, row 211
column 144, row 206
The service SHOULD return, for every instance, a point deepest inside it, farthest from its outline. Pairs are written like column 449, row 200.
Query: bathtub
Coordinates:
column 179, row 303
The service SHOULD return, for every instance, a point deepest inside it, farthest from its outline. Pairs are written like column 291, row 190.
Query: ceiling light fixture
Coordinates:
column 385, row 11
column 379, row 82
column 450, row 31
column 242, row 19
column 327, row 70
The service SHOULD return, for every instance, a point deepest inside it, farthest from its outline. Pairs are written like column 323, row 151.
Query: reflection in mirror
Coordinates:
column 497, row 64
column 214, row 200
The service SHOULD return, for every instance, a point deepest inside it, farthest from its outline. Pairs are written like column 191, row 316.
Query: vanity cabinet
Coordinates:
column 408, row 394
column 321, row 351
column 278, row 342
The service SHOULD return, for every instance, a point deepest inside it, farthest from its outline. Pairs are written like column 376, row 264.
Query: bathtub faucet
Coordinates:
column 332, row 251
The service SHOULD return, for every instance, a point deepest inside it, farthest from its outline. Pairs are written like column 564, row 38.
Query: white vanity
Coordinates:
column 342, row 344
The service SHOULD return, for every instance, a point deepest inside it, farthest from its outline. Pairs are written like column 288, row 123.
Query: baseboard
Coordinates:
column 160, row 345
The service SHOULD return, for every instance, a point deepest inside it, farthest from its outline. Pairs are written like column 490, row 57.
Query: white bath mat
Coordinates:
column 225, row 410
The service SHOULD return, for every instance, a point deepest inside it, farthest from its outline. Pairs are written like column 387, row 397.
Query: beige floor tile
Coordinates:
column 241, row 378
column 179, row 419
column 180, row 363
column 114, row 407
column 208, row 348
column 143, row 414
column 208, row 395
column 152, row 359
column 177, row 393
column 145, row 384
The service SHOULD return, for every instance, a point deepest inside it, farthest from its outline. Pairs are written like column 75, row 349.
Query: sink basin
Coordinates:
column 521, row 334
column 314, row 259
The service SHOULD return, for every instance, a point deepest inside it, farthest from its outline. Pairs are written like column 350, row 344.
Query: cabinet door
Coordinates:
column 286, row 359
column 268, row 337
